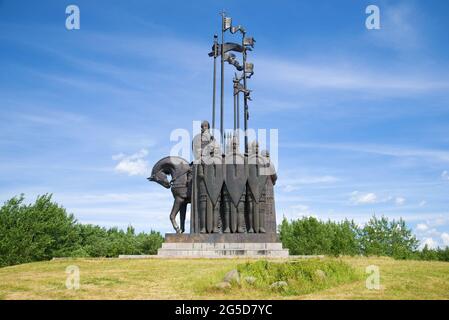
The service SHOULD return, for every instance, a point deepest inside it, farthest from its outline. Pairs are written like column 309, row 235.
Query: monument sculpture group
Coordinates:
column 230, row 192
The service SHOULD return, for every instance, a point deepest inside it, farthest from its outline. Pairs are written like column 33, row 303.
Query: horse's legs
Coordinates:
column 183, row 215
column 174, row 212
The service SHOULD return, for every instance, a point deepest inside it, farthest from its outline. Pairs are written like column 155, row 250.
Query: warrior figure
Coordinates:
column 200, row 148
column 213, row 176
column 234, row 195
column 256, row 183
column 267, row 201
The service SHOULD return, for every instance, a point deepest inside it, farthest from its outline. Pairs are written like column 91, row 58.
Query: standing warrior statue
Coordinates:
column 200, row 148
column 256, row 183
column 267, row 200
column 234, row 195
column 213, row 178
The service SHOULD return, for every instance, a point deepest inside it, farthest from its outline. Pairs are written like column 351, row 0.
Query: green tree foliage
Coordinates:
column 439, row 254
column 309, row 236
column 388, row 238
column 379, row 236
column 43, row 230
column 34, row 232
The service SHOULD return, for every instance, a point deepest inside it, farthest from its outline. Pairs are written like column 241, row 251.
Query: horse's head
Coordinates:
column 168, row 166
column 160, row 177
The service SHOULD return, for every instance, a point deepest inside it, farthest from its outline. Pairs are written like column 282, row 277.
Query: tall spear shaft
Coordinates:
column 222, row 77
column 245, row 99
column 238, row 110
column 235, row 102
column 215, row 81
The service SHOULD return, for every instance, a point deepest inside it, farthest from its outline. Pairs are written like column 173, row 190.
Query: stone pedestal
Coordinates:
column 222, row 245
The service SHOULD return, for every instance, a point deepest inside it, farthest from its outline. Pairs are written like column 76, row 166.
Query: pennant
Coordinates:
column 249, row 67
column 249, row 42
column 228, row 46
column 227, row 21
column 230, row 58
column 238, row 28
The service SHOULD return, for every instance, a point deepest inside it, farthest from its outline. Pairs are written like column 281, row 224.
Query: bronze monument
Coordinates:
column 230, row 192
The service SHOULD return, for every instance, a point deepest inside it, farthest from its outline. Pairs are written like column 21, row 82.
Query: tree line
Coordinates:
column 43, row 230
column 378, row 237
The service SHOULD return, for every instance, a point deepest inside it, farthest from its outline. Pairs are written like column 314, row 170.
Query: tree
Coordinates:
column 381, row 237
column 34, row 232
column 43, row 230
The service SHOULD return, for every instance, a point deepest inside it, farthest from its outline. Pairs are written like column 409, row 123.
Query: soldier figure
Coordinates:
column 214, row 183
column 268, row 205
column 256, row 184
column 200, row 148
column 234, row 195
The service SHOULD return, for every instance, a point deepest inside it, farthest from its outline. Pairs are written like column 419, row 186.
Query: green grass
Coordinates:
column 302, row 276
column 196, row 279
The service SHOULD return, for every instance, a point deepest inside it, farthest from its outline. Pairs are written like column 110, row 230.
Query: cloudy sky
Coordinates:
column 363, row 115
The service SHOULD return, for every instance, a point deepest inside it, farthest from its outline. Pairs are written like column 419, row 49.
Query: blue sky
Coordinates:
column 363, row 115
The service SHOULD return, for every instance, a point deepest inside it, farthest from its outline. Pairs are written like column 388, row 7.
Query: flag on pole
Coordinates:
column 238, row 28
column 228, row 46
column 249, row 67
column 231, row 59
column 227, row 22
column 249, row 42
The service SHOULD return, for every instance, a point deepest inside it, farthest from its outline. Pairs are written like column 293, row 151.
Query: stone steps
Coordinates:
column 213, row 250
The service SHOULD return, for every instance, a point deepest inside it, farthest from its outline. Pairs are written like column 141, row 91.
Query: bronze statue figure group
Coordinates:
column 229, row 191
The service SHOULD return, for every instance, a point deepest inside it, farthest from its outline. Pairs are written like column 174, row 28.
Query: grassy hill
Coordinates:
column 196, row 279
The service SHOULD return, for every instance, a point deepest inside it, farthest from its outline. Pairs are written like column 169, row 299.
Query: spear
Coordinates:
column 215, row 81
column 245, row 99
column 223, row 18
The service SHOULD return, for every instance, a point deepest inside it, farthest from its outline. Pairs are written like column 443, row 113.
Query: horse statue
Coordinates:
column 180, row 183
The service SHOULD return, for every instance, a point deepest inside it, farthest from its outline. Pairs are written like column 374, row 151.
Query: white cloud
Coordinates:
column 430, row 242
column 385, row 150
column 400, row 28
column 293, row 184
column 445, row 238
column 363, row 198
column 422, row 227
column 370, row 198
column 133, row 165
column 143, row 210
column 428, row 232
column 338, row 76
column 422, row 203
column 300, row 207
column 399, row 201
column 445, row 175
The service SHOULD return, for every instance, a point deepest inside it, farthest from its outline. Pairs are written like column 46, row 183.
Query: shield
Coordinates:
column 214, row 177
column 235, row 176
column 256, row 177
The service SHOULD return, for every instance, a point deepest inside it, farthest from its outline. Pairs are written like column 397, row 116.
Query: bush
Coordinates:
column 302, row 276
column 309, row 236
column 34, row 232
column 381, row 237
column 44, row 230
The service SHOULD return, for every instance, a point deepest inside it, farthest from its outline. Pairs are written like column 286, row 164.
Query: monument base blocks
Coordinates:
column 218, row 245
